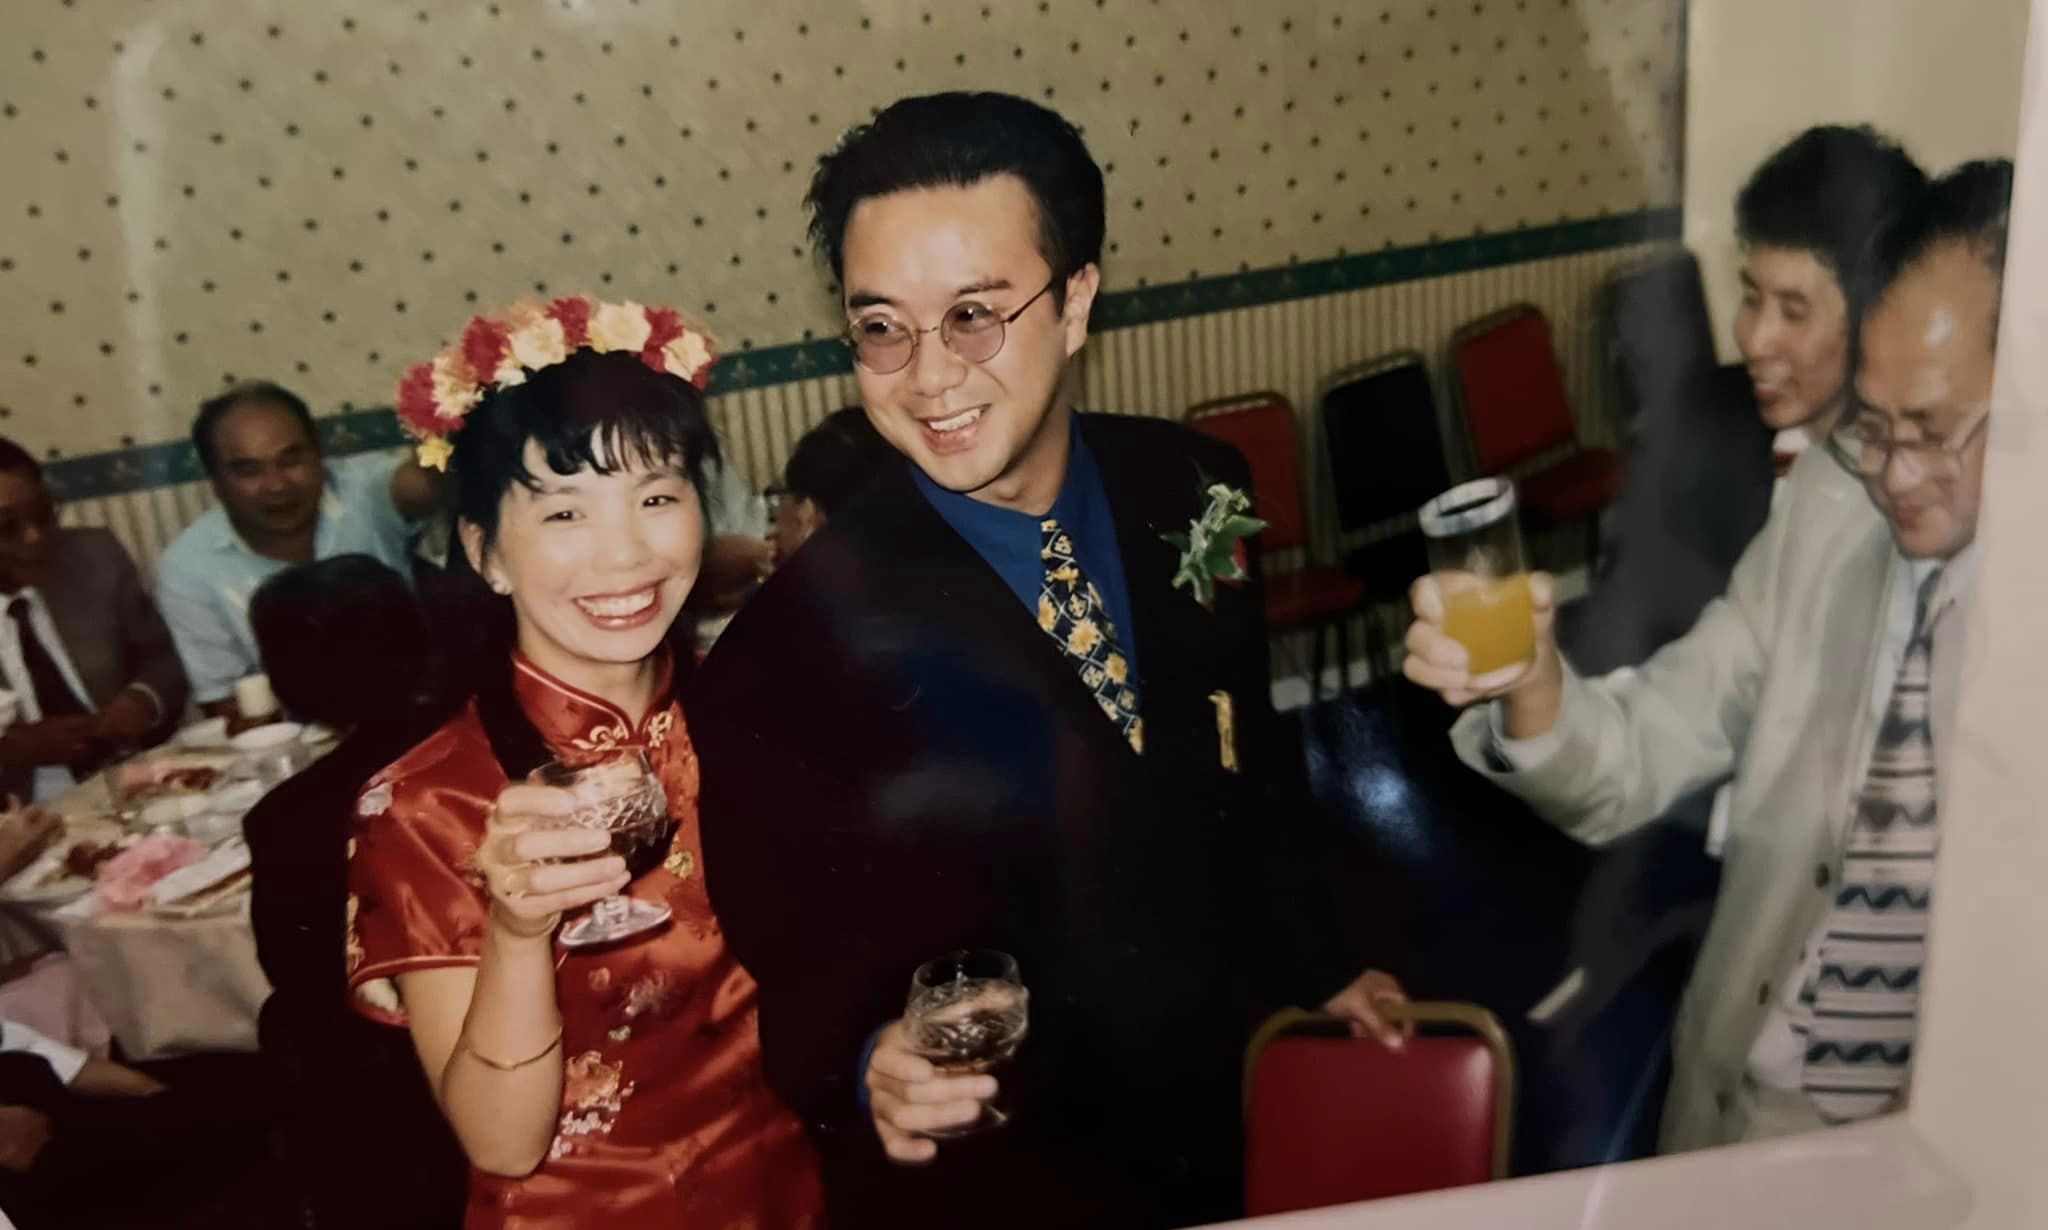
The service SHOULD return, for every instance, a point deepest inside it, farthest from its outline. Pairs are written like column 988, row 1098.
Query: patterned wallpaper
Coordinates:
column 208, row 190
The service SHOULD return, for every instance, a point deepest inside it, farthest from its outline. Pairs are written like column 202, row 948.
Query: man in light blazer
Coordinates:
column 82, row 647
column 1824, row 682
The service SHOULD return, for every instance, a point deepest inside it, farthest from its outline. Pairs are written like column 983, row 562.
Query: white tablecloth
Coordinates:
column 165, row 986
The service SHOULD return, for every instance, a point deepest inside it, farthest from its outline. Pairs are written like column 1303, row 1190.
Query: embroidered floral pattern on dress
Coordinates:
column 656, row 994
column 658, row 728
column 593, row 1092
column 602, row 739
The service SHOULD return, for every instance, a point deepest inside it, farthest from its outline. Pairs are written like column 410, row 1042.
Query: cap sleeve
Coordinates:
column 415, row 898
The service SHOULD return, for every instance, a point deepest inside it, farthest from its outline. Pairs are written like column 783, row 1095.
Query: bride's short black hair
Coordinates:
column 592, row 411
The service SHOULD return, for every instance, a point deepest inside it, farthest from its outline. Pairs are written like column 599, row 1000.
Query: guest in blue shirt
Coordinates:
column 281, row 504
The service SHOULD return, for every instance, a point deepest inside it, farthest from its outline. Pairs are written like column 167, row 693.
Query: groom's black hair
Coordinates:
column 958, row 140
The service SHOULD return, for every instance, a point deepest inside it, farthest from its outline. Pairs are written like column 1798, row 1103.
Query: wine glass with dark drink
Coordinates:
column 967, row 1014
column 622, row 796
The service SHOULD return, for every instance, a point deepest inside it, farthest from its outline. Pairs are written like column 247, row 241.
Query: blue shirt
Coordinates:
column 1010, row 541
column 207, row 574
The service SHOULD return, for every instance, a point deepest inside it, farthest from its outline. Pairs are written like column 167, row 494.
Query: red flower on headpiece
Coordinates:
column 484, row 344
column 416, row 400
column 664, row 325
column 574, row 314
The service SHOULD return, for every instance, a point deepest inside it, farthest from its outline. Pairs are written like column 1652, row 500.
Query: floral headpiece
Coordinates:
column 498, row 352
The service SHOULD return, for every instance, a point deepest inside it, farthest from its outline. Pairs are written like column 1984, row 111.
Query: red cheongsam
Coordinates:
column 665, row 1118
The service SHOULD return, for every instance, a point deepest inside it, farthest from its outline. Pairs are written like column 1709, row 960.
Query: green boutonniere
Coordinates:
column 1212, row 549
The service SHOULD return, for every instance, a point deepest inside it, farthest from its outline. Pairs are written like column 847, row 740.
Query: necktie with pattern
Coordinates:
column 1071, row 611
column 1864, row 996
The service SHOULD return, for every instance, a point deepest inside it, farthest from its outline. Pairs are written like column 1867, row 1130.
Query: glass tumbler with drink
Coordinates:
column 621, row 796
column 1475, row 556
column 967, row 1014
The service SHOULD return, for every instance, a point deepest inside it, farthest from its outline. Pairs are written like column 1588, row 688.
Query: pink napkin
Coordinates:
column 124, row 882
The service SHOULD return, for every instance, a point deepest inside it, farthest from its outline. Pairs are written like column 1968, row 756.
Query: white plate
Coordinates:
column 211, row 733
column 264, row 738
column 27, row 886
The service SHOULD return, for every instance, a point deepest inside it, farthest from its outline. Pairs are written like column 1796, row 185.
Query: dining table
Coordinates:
column 166, row 983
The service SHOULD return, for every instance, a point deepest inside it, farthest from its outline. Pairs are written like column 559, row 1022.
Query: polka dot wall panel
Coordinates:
column 207, row 190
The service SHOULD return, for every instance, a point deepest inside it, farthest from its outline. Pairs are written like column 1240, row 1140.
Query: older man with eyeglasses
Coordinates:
column 1823, row 684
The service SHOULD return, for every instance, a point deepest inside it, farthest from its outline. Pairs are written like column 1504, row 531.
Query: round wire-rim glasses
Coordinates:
column 971, row 329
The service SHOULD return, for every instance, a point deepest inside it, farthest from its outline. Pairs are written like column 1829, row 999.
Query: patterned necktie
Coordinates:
column 1864, row 997
column 1071, row 611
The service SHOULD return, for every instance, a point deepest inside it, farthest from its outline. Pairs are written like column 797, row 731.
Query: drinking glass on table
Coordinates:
column 968, row 1012
column 1475, row 555
column 621, row 796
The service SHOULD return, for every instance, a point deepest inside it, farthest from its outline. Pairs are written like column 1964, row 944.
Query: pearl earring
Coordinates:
column 499, row 587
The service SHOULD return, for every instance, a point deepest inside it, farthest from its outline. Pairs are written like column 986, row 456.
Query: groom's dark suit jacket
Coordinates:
column 898, row 762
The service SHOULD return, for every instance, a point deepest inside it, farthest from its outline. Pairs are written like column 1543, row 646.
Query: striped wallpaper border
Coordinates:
column 146, row 467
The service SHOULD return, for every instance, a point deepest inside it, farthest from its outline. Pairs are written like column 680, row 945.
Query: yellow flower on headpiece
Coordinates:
column 686, row 354
column 619, row 326
column 454, row 392
column 535, row 338
column 434, row 452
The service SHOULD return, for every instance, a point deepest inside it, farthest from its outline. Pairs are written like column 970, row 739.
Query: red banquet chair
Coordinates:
column 1515, row 408
column 1312, row 596
column 1331, row 1119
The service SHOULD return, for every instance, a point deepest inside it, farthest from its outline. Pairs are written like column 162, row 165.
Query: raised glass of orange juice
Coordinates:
column 1475, row 554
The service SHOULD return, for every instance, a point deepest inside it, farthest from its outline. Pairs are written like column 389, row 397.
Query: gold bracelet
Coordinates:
column 464, row 1044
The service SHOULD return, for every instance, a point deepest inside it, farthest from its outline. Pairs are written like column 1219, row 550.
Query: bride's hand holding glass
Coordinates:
column 538, row 866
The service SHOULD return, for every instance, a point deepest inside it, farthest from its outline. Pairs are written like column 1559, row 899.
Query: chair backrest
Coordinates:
column 1261, row 426
column 1660, row 338
column 1511, row 388
column 1331, row 1119
column 1386, row 451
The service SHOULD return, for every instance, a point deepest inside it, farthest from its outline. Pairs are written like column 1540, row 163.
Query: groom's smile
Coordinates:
column 940, row 262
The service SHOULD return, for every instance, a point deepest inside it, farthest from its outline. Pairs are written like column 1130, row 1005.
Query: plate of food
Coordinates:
column 215, row 884
column 66, row 871
column 134, row 783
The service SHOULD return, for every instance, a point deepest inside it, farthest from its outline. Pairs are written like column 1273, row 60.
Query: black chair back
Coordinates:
column 1660, row 338
column 1386, row 453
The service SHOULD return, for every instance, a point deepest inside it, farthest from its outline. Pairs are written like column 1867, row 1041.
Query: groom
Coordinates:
column 974, row 711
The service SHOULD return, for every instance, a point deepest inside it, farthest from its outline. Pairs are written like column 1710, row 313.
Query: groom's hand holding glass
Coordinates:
column 1530, row 697
column 908, row 1097
column 538, row 865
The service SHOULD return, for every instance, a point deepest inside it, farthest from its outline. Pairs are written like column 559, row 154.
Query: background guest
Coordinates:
column 82, row 648
column 344, row 643
column 1824, row 682
column 280, row 504
column 827, row 468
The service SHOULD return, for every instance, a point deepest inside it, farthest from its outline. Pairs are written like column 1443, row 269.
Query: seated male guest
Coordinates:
column 68, row 1121
column 281, row 504
column 82, row 648
column 829, row 465
column 344, row 643
column 1824, row 683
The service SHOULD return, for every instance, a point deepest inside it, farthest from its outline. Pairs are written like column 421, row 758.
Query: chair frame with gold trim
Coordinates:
column 1464, row 1017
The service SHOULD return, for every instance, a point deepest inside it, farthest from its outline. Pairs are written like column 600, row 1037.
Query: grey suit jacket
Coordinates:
column 1772, row 685
column 109, row 625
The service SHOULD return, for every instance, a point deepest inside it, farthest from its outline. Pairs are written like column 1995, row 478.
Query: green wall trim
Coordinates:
column 161, row 465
